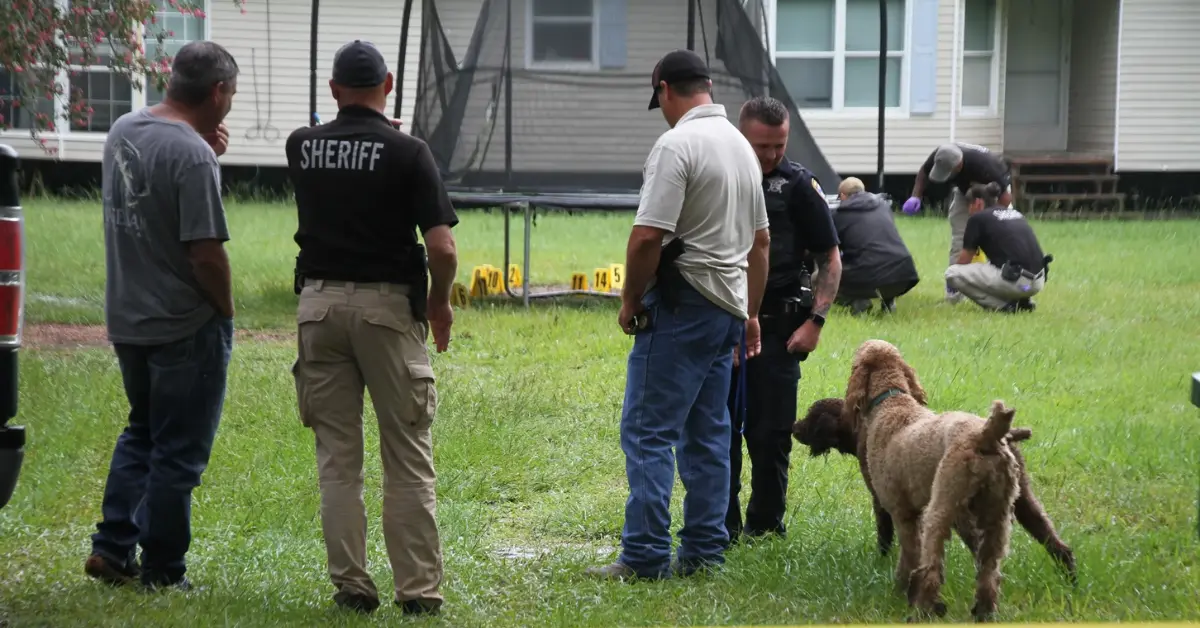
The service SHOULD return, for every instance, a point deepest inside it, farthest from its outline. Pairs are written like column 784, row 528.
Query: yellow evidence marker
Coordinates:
column 458, row 295
column 579, row 281
column 618, row 275
column 603, row 279
column 495, row 281
column 478, row 282
column 514, row 276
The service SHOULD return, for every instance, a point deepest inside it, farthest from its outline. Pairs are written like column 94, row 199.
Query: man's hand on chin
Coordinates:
column 218, row 139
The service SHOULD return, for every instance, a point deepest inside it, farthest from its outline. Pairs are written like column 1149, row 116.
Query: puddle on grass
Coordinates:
column 518, row 552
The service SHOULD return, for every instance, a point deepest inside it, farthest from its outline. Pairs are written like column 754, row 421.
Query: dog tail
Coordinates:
column 996, row 430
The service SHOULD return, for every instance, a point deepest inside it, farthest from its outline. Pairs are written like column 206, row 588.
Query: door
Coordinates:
column 1036, row 81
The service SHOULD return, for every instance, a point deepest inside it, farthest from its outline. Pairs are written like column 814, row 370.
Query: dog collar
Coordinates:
column 881, row 397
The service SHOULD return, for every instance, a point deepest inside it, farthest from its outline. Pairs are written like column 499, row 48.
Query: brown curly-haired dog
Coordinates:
column 933, row 473
column 823, row 430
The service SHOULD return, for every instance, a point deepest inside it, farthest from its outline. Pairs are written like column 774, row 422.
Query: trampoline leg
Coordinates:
column 525, row 271
column 507, row 246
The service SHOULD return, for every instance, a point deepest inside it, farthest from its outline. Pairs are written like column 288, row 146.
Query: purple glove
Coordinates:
column 912, row 206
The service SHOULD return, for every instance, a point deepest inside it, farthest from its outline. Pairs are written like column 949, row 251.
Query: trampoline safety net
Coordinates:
column 550, row 96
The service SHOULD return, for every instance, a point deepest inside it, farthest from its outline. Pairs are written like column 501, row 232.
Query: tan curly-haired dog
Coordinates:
column 823, row 430
column 933, row 473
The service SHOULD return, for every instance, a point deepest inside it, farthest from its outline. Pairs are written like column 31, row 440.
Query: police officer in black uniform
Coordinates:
column 366, row 307
column 793, row 311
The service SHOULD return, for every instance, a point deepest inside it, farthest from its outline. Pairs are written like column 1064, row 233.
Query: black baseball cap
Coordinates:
column 359, row 64
column 678, row 65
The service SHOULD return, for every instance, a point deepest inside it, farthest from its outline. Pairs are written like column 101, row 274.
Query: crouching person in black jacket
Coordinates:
column 875, row 262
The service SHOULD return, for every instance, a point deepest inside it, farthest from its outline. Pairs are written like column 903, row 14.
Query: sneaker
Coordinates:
column 110, row 571
column 360, row 602
column 420, row 607
column 1026, row 305
column 888, row 305
column 617, row 571
column 953, row 296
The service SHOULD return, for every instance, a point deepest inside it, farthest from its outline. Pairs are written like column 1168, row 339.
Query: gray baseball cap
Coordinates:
column 947, row 157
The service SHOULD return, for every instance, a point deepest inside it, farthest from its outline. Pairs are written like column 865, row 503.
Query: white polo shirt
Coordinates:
column 702, row 182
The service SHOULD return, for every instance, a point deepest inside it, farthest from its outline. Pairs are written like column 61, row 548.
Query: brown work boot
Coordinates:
column 110, row 571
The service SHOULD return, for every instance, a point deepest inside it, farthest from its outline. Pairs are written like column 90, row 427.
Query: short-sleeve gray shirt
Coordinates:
column 162, row 189
column 703, row 183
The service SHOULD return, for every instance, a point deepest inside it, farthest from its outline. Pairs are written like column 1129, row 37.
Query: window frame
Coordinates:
column 137, row 102
column 998, row 43
column 530, row 19
column 839, row 55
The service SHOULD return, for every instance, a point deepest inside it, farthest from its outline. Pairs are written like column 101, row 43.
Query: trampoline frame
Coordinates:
column 528, row 205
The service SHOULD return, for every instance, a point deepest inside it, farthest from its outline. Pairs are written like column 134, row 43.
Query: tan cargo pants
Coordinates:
column 983, row 284
column 350, row 336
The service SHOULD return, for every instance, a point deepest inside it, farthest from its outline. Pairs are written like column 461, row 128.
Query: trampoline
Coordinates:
column 528, row 205
column 512, row 128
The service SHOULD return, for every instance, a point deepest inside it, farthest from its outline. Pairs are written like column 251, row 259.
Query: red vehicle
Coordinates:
column 12, row 297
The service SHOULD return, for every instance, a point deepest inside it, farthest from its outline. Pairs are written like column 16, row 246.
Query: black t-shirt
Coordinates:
column 1004, row 235
column 800, row 221
column 979, row 166
column 362, row 188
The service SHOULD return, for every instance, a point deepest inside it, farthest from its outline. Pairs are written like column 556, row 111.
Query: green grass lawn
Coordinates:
column 529, row 461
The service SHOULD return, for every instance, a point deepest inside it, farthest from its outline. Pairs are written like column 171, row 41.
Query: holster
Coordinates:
column 667, row 278
column 1012, row 271
column 297, row 277
column 419, row 296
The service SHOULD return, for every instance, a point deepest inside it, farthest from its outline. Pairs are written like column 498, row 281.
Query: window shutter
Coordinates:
column 922, row 81
column 614, row 18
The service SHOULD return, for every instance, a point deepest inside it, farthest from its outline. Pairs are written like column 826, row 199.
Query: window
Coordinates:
column 177, row 29
column 109, row 95
column 979, row 54
column 827, row 52
column 14, row 116
column 562, row 33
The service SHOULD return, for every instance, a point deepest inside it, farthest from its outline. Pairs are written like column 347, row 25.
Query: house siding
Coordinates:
column 1092, row 108
column 285, row 85
column 1157, row 118
column 553, row 123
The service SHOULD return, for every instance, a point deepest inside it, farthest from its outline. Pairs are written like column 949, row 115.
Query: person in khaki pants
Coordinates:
column 366, row 308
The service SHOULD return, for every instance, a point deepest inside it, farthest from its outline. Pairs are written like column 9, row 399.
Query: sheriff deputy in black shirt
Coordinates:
column 1016, row 268
column 961, row 165
column 367, row 305
column 792, row 314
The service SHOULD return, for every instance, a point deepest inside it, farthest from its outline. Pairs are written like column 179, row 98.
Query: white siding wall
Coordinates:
column 245, row 35
column 553, row 123
column 1092, row 107
column 1158, row 119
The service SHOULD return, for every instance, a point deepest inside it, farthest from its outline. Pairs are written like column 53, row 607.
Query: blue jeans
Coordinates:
column 675, row 397
column 176, row 392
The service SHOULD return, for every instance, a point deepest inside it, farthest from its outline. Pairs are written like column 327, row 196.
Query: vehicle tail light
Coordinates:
column 12, row 252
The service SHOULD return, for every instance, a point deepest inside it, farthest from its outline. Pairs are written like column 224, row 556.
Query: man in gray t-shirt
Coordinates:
column 169, row 309
column 162, row 192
